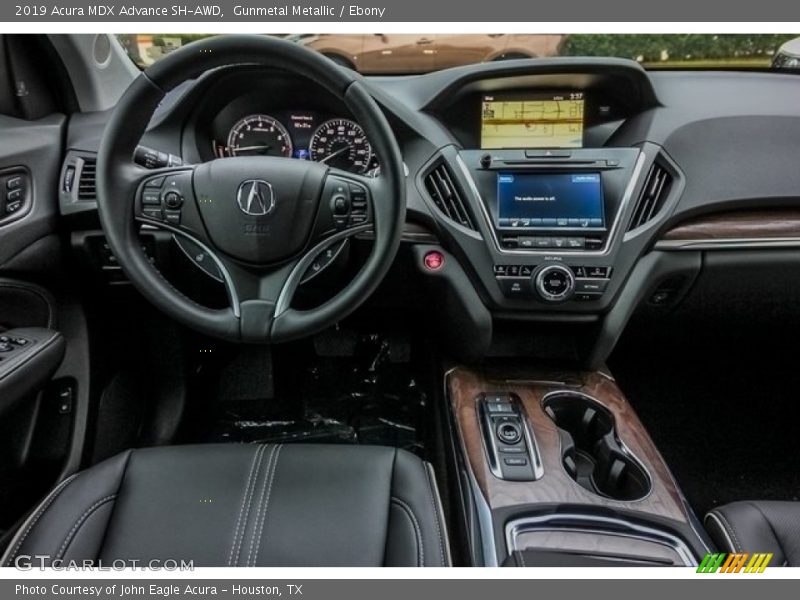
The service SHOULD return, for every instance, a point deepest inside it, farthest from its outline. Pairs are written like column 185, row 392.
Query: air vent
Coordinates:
column 87, row 189
column 447, row 197
column 654, row 193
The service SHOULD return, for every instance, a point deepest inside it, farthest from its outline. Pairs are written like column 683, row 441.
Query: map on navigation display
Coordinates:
column 532, row 121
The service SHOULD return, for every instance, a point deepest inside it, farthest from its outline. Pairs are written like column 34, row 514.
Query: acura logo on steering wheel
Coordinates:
column 256, row 197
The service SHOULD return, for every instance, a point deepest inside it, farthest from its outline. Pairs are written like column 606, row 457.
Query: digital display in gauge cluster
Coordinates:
column 338, row 142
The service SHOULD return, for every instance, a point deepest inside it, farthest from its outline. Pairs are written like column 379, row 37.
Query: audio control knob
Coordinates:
column 555, row 282
column 173, row 200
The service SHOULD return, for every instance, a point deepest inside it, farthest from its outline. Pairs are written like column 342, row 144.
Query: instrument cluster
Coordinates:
column 301, row 134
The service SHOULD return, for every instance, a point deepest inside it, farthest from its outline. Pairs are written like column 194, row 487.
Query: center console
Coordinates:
column 561, row 211
column 553, row 217
column 556, row 469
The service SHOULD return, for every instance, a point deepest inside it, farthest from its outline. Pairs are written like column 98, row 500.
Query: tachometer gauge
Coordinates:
column 341, row 143
column 259, row 135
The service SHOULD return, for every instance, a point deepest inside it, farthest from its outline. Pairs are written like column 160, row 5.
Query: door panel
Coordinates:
column 35, row 422
column 32, row 149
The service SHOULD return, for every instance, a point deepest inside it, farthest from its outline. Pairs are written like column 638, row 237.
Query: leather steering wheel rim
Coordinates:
column 118, row 179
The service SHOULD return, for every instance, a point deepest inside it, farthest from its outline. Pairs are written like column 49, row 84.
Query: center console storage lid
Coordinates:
column 554, row 558
column 570, row 537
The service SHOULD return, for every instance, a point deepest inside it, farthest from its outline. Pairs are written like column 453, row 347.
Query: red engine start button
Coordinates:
column 434, row 260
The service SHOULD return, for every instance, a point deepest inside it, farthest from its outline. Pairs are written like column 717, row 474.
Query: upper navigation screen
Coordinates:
column 548, row 120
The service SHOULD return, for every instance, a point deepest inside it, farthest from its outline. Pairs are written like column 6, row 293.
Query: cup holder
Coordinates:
column 590, row 449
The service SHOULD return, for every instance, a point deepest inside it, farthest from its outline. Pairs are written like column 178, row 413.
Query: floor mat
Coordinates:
column 360, row 389
column 724, row 417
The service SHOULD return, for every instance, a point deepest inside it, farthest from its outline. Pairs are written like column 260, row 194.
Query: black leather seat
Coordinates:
column 758, row 527
column 244, row 505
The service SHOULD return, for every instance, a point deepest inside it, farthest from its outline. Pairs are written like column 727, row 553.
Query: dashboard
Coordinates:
column 546, row 184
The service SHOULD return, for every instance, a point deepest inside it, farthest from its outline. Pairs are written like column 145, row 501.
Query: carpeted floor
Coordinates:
column 726, row 416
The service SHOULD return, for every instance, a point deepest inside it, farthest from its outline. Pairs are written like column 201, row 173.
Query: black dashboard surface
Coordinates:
column 733, row 133
column 725, row 140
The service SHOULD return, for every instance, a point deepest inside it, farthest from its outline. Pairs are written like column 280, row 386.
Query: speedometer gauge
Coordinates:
column 341, row 143
column 259, row 135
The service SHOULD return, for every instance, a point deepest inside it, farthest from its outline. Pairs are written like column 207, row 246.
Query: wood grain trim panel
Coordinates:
column 752, row 224
column 555, row 486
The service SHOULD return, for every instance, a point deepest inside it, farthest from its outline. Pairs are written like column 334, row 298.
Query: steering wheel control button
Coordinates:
column 359, row 206
column 324, row 260
column 173, row 200
column 151, row 198
column 173, row 217
column 555, row 283
column 340, row 205
column 156, row 182
column 152, row 213
column 434, row 260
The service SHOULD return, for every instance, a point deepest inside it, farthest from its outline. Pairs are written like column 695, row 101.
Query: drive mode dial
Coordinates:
column 554, row 282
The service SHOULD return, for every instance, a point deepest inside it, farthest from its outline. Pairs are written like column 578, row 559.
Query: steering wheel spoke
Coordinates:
column 254, row 295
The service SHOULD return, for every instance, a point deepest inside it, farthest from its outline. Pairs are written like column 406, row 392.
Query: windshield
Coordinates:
column 385, row 54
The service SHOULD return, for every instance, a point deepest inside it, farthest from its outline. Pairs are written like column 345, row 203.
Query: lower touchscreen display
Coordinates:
column 550, row 201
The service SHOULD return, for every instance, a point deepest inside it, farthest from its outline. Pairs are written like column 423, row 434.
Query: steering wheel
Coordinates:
column 262, row 220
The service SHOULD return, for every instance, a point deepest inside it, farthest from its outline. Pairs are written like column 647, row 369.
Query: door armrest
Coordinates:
column 28, row 359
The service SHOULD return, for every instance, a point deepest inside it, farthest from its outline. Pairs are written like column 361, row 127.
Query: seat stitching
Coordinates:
column 729, row 528
column 38, row 514
column 263, row 506
column 243, row 532
column 256, row 454
column 250, row 502
column 712, row 519
column 435, row 515
column 86, row 514
column 417, row 531
column 522, row 558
